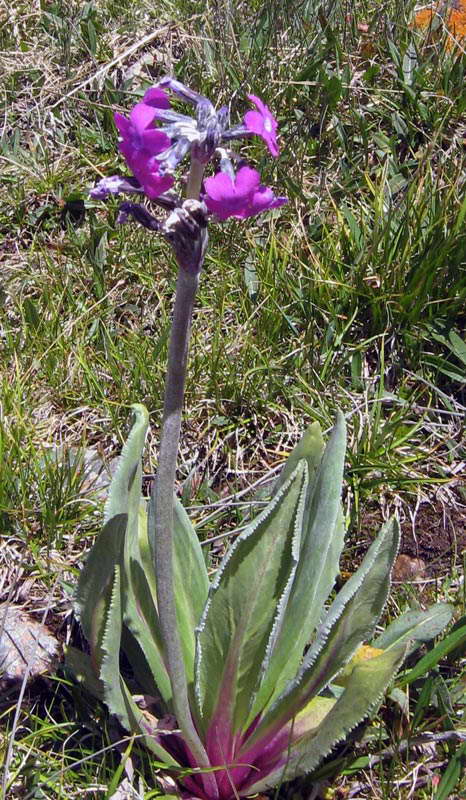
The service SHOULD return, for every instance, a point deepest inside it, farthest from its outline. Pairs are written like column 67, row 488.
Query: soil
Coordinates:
column 432, row 544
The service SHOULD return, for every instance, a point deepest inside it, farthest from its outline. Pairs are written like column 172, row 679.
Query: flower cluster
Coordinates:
column 155, row 139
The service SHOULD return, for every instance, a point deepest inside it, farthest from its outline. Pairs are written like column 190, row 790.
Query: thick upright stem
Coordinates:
column 164, row 487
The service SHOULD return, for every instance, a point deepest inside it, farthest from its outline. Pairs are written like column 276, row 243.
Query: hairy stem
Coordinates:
column 196, row 173
column 164, row 487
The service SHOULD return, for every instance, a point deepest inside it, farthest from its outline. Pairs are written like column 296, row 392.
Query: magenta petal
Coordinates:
column 155, row 185
column 260, row 105
column 263, row 199
column 123, row 125
column 127, row 149
column 142, row 116
column 220, row 212
column 156, row 97
column 263, row 123
column 254, row 122
column 247, row 180
column 218, row 208
column 155, row 141
column 220, row 187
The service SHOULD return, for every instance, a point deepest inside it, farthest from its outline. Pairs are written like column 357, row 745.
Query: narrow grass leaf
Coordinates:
column 454, row 771
column 453, row 641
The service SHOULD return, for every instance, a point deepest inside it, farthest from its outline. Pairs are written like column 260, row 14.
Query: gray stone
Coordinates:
column 24, row 644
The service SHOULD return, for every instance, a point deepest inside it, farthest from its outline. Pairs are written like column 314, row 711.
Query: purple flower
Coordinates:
column 115, row 184
column 141, row 143
column 242, row 197
column 263, row 123
column 156, row 97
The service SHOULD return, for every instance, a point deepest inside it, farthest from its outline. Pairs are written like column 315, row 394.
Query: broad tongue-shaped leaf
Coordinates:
column 321, row 544
column 117, row 694
column 190, row 579
column 350, row 620
column 121, row 509
column 139, row 596
column 415, row 626
column 362, row 695
column 139, row 604
column 233, row 633
column 311, row 447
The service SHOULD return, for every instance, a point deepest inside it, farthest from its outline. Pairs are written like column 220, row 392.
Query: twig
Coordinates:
column 417, row 741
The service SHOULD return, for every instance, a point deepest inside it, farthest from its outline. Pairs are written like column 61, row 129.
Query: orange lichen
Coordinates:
column 457, row 23
column 448, row 14
column 425, row 17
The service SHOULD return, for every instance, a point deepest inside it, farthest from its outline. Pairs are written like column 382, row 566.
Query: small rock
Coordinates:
column 408, row 569
column 24, row 643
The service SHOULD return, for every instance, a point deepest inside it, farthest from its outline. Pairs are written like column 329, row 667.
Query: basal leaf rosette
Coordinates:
column 277, row 667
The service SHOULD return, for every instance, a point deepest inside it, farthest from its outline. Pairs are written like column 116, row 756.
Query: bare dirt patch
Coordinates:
column 436, row 535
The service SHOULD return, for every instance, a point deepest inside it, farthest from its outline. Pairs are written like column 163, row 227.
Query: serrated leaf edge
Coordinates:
column 354, row 584
column 282, row 774
column 330, row 619
column 140, row 425
column 246, row 534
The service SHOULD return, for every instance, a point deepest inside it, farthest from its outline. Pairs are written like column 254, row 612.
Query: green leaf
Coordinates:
column 236, row 625
column 418, row 626
column 321, row 544
column 310, row 447
column 117, row 695
column 458, row 346
column 423, row 702
column 121, row 510
column 191, row 584
column 409, row 64
column 95, row 579
column 363, row 694
column 190, row 578
column 309, row 719
column 143, row 675
column 81, row 666
column 139, row 602
column 140, row 597
column 451, row 642
column 454, row 771
column 349, row 621
column 125, row 488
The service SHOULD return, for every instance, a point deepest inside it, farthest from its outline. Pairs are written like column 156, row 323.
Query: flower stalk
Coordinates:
column 196, row 174
column 186, row 288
